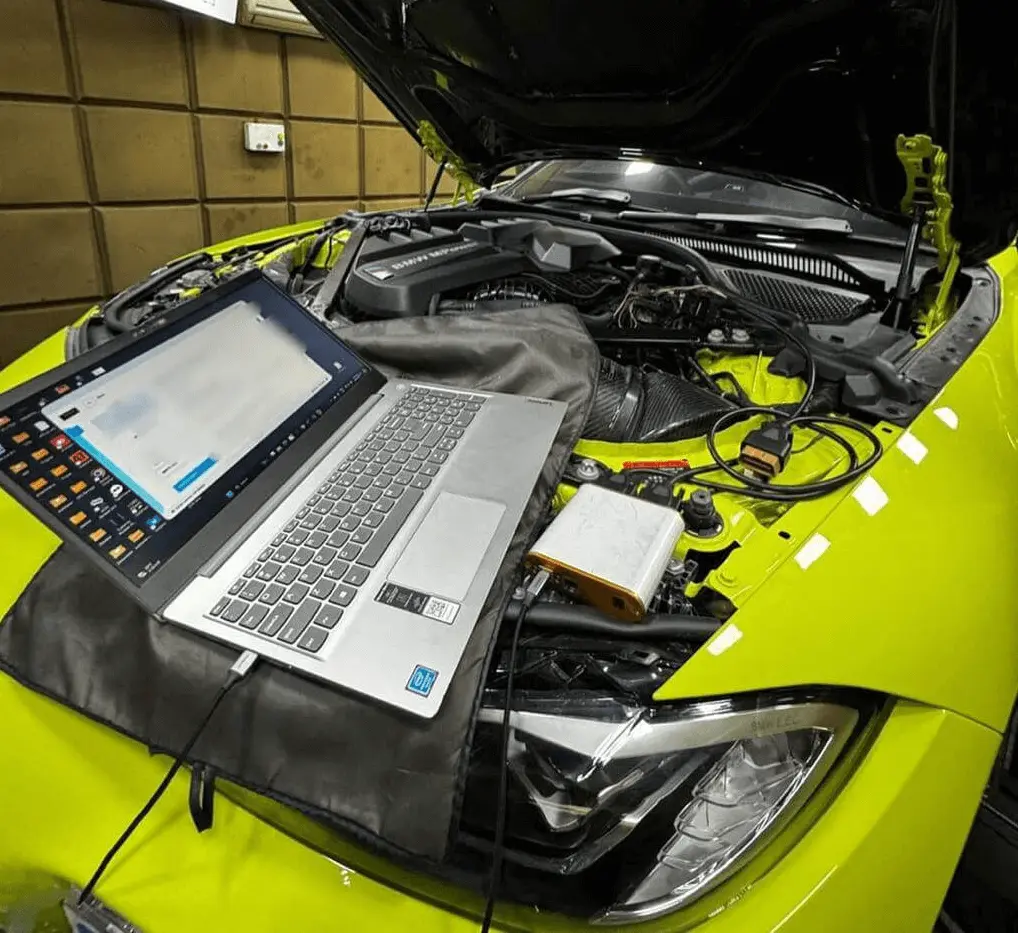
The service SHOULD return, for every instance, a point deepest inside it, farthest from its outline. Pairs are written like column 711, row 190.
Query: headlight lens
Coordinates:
column 667, row 802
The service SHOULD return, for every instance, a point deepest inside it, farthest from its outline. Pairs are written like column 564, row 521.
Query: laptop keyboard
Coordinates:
column 297, row 589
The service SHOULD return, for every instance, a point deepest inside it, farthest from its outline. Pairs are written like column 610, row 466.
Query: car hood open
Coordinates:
column 815, row 91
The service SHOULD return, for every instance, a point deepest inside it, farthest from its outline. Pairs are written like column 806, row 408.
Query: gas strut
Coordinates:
column 903, row 290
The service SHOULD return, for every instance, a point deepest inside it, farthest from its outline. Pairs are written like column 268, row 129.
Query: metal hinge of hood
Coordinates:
column 928, row 202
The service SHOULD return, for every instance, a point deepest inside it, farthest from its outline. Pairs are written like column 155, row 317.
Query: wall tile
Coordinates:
column 31, row 57
column 237, row 69
column 142, row 155
column 233, row 172
column 372, row 108
column 392, row 204
column 227, row 221
column 47, row 255
column 135, row 53
column 40, row 158
column 392, row 161
column 322, row 83
column 322, row 210
column 325, row 162
column 22, row 330
column 139, row 239
column 129, row 52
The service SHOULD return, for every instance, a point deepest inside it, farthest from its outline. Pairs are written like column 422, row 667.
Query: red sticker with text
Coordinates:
column 656, row 465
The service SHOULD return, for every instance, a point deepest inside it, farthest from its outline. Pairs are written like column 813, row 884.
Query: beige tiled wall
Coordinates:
column 121, row 147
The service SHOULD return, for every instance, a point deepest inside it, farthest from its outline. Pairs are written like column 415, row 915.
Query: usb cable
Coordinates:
column 530, row 594
column 240, row 669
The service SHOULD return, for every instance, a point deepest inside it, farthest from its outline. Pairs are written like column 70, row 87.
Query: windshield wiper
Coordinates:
column 827, row 224
column 611, row 196
column 806, row 187
column 492, row 199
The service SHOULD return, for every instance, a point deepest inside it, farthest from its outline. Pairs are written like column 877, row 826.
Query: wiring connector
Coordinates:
column 765, row 450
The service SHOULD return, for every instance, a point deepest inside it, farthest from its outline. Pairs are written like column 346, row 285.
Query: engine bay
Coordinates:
column 743, row 384
column 738, row 377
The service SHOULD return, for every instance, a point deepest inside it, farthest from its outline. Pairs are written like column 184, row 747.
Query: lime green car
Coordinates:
column 808, row 323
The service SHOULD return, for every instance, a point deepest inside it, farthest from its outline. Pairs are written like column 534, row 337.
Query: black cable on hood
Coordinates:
column 239, row 670
column 523, row 606
column 762, row 489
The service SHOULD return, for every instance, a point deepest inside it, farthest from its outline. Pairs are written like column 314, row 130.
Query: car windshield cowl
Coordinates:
column 826, row 224
column 660, row 193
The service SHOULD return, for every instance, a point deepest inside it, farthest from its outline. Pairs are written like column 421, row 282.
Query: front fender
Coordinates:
column 919, row 599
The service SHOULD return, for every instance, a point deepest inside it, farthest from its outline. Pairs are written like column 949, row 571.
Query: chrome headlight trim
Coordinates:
column 719, row 736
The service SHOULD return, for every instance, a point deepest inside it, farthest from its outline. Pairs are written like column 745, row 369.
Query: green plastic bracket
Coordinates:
column 925, row 165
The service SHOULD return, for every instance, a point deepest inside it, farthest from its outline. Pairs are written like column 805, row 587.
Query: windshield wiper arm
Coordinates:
column 611, row 196
column 521, row 205
column 807, row 187
column 827, row 224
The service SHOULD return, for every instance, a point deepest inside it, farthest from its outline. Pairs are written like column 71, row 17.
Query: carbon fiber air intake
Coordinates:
column 633, row 405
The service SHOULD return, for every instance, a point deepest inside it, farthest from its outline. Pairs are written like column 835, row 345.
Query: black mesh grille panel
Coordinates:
column 788, row 260
column 812, row 303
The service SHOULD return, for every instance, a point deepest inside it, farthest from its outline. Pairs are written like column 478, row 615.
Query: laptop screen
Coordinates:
column 137, row 454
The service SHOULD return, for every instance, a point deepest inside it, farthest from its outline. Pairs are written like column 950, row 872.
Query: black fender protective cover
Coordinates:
column 392, row 781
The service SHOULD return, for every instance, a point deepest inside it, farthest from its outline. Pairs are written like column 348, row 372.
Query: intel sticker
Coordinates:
column 422, row 680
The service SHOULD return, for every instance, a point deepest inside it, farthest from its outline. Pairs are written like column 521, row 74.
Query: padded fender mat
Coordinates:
column 394, row 780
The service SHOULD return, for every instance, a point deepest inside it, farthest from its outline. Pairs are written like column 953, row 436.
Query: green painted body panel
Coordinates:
column 878, row 858
column 917, row 600
column 751, row 373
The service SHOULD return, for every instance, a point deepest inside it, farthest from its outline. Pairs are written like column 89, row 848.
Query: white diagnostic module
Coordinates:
column 611, row 547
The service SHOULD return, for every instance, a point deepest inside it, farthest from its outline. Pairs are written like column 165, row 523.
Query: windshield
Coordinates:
column 692, row 190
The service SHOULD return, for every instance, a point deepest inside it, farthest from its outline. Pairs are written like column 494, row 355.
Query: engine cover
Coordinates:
column 398, row 275
column 401, row 273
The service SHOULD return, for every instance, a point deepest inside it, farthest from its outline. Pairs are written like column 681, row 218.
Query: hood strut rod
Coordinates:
column 903, row 289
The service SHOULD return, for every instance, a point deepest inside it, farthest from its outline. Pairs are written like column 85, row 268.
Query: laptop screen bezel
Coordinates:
column 180, row 569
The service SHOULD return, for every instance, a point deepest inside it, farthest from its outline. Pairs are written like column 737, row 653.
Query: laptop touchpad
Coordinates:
column 447, row 548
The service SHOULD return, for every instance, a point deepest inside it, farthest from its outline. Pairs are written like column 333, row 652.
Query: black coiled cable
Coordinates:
column 751, row 485
column 760, row 489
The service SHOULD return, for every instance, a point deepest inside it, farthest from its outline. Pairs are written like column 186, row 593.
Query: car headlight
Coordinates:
column 647, row 808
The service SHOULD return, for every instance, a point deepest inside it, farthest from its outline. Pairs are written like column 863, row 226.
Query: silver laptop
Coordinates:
column 242, row 472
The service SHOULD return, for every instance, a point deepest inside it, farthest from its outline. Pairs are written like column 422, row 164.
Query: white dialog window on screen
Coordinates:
column 175, row 419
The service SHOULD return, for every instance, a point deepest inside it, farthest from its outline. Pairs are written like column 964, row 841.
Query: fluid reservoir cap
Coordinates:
column 700, row 514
